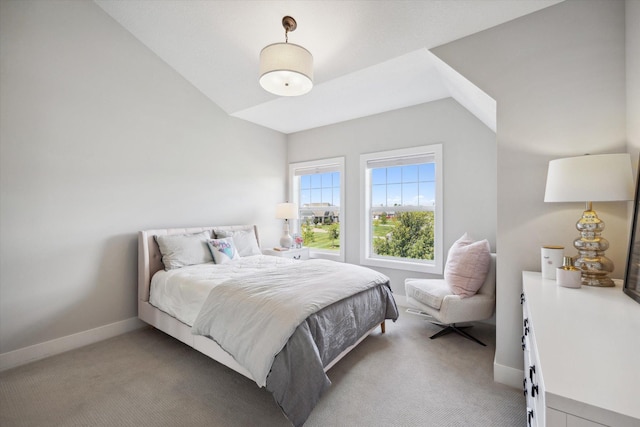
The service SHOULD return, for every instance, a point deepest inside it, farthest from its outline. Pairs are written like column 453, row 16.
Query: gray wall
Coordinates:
column 100, row 139
column 558, row 77
column 469, row 156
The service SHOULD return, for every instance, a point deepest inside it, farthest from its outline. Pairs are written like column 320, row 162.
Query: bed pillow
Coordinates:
column 181, row 250
column 245, row 241
column 467, row 266
column 223, row 250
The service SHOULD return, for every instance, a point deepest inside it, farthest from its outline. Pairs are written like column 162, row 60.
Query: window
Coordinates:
column 318, row 188
column 401, row 210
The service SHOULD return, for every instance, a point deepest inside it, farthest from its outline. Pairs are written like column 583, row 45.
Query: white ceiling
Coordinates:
column 369, row 56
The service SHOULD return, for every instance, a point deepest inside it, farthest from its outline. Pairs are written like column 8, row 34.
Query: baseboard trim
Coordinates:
column 507, row 375
column 25, row 355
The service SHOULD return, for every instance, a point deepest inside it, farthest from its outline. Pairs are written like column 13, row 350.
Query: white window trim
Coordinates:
column 294, row 192
column 366, row 258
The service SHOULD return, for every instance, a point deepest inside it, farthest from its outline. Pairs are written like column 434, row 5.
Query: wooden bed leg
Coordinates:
column 382, row 326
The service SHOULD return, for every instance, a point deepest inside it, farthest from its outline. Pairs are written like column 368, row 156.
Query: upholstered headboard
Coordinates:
column 150, row 259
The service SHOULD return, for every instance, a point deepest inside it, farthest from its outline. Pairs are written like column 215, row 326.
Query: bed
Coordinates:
column 207, row 310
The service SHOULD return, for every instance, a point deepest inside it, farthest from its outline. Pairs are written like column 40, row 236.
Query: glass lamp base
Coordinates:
column 591, row 261
column 603, row 282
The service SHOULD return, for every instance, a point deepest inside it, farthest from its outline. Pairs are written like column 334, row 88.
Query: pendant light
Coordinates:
column 286, row 69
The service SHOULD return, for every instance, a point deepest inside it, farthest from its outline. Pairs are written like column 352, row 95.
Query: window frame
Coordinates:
column 335, row 164
column 366, row 255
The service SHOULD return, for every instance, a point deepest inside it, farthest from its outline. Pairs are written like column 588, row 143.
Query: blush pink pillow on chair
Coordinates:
column 467, row 266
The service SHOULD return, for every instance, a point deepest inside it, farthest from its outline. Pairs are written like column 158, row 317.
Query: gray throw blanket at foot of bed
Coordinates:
column 297, row 379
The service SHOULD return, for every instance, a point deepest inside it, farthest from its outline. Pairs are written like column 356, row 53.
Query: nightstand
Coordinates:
column 293, row 253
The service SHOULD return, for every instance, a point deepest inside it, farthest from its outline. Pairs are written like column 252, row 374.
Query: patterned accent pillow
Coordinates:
column 467, row 266
column 223, row 250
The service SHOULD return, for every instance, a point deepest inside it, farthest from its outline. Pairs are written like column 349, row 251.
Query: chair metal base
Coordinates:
column 457, row 329
column 447, row 328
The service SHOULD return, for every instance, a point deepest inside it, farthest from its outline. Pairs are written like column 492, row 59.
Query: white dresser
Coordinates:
column 581, row 354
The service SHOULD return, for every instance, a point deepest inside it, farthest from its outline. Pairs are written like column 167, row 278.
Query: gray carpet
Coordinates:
column 146, row 378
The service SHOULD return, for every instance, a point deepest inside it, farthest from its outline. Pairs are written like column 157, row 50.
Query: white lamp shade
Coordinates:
column 286, row 69
column 287, row 211
column 590, row 178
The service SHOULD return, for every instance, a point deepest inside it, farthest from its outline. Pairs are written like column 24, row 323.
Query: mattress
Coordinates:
column 181, row 292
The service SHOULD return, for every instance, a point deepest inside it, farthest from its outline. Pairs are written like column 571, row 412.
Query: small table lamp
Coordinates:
column 286, row 211
column 591, row 178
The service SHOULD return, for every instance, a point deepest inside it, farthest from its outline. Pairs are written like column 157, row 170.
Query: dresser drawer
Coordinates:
column 533, row 387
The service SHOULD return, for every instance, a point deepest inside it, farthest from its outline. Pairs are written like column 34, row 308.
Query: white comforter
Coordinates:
column 253, row 317
column 181, row 292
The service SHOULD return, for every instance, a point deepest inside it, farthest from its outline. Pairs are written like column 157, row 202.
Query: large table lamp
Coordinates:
column 591, row 178
column 286, row 211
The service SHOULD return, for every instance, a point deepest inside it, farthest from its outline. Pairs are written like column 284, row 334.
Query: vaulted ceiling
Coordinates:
column 369, row 56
